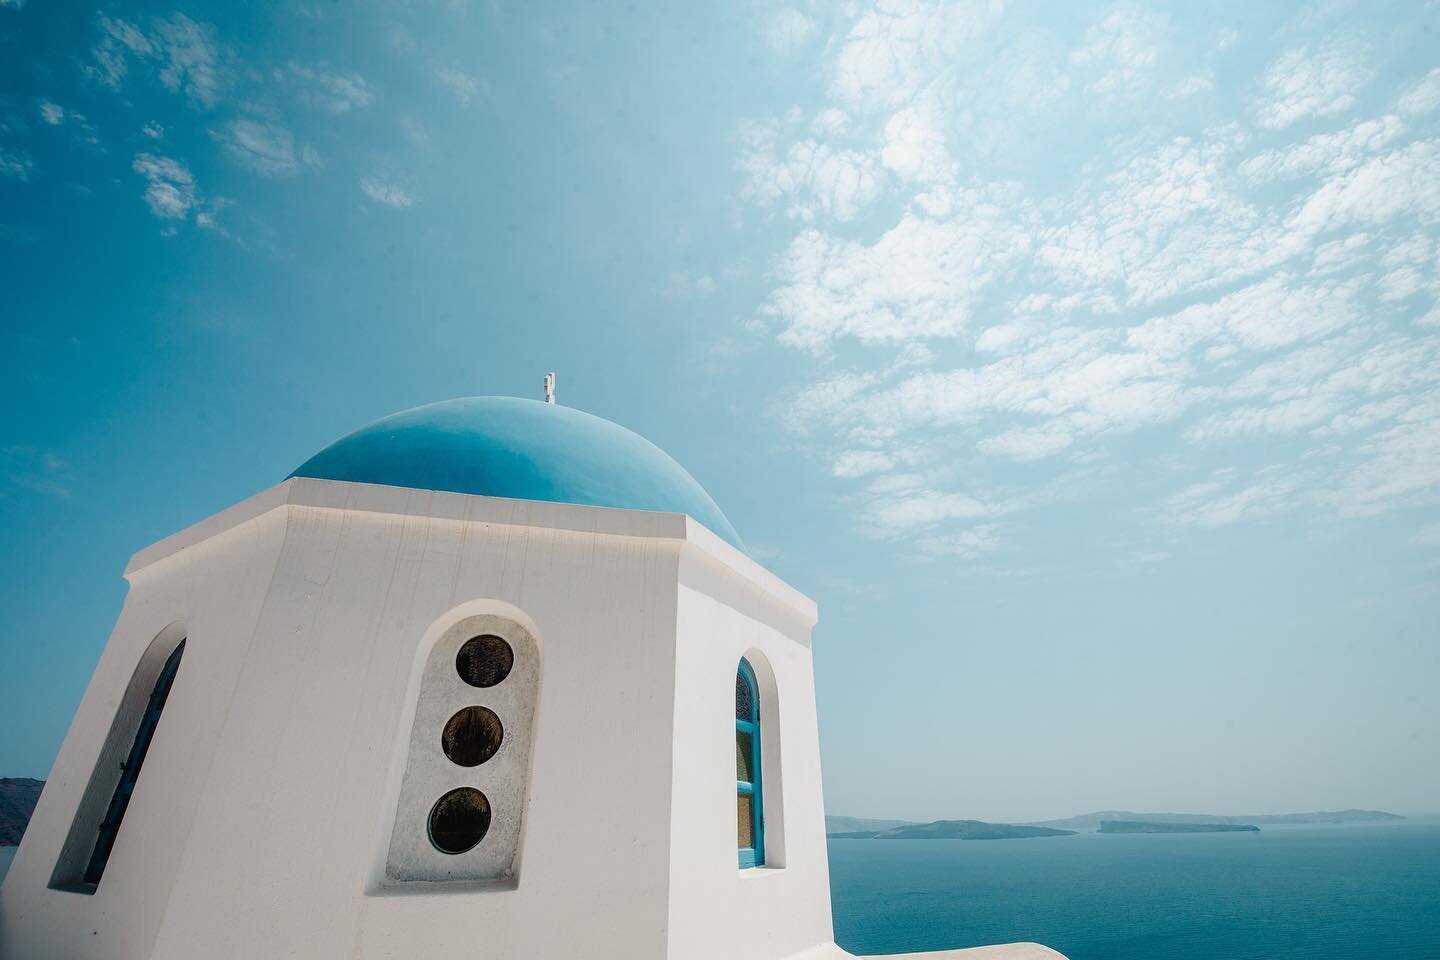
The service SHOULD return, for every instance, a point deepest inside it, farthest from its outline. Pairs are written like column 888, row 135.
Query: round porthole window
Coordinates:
column 484, row 660
column 472, row 736
column 459, row 820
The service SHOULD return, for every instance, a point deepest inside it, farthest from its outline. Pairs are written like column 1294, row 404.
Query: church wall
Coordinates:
column 214, row 591
column 716, row 909
column 261, row 821
column 303, row 786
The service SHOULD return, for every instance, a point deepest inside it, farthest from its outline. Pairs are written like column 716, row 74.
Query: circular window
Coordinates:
column 472, row 736
column 484, row 660
column 459, row 820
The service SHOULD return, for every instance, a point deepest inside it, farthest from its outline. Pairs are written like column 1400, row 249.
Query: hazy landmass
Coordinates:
column 835, row 825
column 953, row 830
column 17, row 802
column 1153, row 826
column 1092, row 821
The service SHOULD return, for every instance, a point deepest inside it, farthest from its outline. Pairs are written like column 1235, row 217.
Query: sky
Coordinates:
column 1081, row 360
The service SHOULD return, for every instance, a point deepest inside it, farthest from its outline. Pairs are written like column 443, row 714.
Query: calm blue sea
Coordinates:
column 1286, row 893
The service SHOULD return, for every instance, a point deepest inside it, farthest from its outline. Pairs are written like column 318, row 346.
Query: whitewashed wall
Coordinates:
column 262, row 816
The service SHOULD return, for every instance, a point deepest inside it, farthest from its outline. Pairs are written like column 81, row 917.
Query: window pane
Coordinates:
column 472, row 736
column 745, row 820
column 744, row 709
column 484, row 660
column 130, row 769
column 744, row 754
column 459, row 820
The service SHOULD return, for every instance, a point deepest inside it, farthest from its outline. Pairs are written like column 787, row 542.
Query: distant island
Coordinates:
column 1092, row 821
column 1153, row 826
column 834, row 825
column 1122, row 821
column 18, row 796
column 952, row 830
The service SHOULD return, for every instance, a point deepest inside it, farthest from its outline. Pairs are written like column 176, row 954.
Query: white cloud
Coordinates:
column 917, row 280
column 337, row 91
column 1221, row 501
column 860, row 463
column 463, row 86
column 1168, row 222
column 386, row 193
column 264, row 148
column 830, row 122
column 1422, row 97
column 1404, row 182
column 170, row 189
column 809, row 179
column 36, row 470
column 1217, row 289
column 1325, row 153
column 1120, row 50
column 1311, row 81
column 185, row 53
column 54, row 115
column 16, row 164
column 893, row 50
column 969, row 544
column 118, row 39
column 1399, row 464
column 915, row 146
column 1275, row 312
column 1030, row 443
column 1196, row 83
column 894, row 512
column 788, row 30
column 190, row 59
column 684, row 285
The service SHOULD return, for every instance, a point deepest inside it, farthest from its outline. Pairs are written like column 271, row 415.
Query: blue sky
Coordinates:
column 1083, row 362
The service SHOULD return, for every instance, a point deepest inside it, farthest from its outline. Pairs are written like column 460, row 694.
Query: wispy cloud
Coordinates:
column 1120, row 50
column 262, row 147
column 387, row 193
column 39, row 471
column 788, row 30
column 1422, row 96
column 172, row 194
column 16, row 164
column 183, row 52
column 1312, row 81
column 463, row 86
column 806, row 178
column 1191, row 286
column 1227, row 498
column 170, row 189
column 336, row 91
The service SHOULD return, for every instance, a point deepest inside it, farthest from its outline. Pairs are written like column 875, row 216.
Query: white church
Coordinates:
column 466, row 684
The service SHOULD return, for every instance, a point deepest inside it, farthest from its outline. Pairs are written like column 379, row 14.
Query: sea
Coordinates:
column 1286, row 893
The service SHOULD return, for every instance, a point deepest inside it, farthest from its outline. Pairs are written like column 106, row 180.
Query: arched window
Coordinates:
column 130, row 770
column 749, row 804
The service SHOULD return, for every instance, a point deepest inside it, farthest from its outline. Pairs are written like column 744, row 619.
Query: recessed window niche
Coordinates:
column 462, row 796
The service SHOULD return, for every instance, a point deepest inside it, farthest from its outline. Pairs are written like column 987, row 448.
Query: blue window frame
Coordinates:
column 130, row 770
column 749, row 799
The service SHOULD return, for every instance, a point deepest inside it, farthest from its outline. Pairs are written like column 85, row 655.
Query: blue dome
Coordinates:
column 522, row 449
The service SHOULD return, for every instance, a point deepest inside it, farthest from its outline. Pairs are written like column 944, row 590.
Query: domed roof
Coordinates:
column 522, row 449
